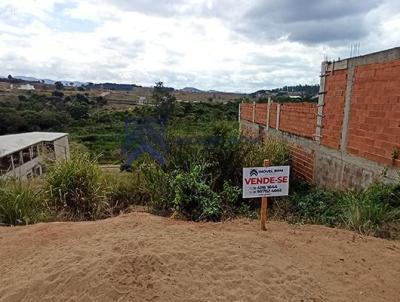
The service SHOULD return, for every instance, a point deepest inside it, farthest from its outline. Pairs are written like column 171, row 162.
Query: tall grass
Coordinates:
column 157, row 185
column 370, row 211
column 21, row 203
column 125, row 189
column 77, row 189
column 373, row 211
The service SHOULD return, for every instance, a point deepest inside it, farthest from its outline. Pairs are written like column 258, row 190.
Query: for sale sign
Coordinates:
column 265, row 181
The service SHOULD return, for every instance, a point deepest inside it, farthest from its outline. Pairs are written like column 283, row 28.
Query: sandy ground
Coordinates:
column 140, row 257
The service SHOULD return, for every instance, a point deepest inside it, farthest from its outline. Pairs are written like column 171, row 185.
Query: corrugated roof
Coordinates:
column 14, row 142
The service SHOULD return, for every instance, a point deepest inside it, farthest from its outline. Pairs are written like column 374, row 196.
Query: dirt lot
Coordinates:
column 140, row 257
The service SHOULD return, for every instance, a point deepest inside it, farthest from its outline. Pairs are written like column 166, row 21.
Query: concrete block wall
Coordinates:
column 349, row 138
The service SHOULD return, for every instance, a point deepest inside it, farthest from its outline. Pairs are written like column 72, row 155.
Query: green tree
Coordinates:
column 59, row 85
column 101, row 101
column 57, row 93
column 164, row 100
column 79, row 110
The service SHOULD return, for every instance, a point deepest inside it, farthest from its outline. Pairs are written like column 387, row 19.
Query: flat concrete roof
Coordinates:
column 15, row 142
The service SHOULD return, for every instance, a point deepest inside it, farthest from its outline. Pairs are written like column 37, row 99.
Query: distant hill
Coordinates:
column 49, row 81
column 302, row 90
column 28, row 79
column 191, row 90
column 111, row 86
column 107, row 86
column 305, row 89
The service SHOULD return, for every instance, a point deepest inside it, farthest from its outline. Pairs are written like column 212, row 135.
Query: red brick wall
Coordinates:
column 246, row 112
column 302, row 164
column 374, row 117
column 335, row 87
column 374, row 124
column 272, row 115
column 299, row 119
column 261, row 114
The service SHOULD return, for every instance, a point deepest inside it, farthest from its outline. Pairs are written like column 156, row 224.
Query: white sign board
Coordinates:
column 265, row 181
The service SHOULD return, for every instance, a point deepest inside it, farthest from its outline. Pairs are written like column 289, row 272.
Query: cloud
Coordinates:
column 210, row 44
column 308, row 21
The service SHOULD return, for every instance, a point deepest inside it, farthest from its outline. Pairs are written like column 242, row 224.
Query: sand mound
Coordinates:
column 140, row 257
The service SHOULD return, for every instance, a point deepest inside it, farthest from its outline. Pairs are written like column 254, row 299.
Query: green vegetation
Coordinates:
column 200, row 180
column 77, row 188
column 21, row 203
column 99, row 129
column 38, row 112
column 373, row 211
column 124, row 190
column 102, row 133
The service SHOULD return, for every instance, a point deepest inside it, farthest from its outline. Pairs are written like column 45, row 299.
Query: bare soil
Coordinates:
column 140, row 257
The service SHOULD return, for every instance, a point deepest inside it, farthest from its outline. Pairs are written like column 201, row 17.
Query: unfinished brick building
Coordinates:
column 352, row 136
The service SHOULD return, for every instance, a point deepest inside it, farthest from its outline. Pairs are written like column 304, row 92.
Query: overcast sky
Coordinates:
column 228, row 45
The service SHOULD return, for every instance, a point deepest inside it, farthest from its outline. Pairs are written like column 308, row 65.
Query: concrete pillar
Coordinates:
column 347, row 103
column 268, row 111
column 278, row 115
column 320, row 108
column 240, row 126
column 239, row 113
column 254, row 112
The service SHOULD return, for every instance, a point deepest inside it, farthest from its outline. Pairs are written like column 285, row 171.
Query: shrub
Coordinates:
column 222, row 152
column 182, row 154
column 125, row 189
column 317, row 206
column 76, row 187
column 272, row 148
column 203, row 172
column 57, row 93
column 283, row 209
column 230, row 200
column 21, row 203
column 194, row 198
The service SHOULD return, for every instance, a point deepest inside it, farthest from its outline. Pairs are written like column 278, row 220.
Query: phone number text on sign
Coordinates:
column 266, row 181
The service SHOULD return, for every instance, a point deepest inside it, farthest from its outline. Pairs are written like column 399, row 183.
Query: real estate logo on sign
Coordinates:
column 265, row 181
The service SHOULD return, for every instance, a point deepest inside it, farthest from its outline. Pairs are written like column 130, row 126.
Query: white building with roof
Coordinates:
column 22, row 155
column 26, row 87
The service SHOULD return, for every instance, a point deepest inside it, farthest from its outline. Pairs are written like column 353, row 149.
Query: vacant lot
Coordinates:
column 140, row 257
